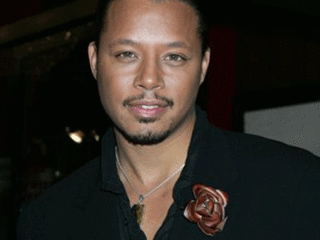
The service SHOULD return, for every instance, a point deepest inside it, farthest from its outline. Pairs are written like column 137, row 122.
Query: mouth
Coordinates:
column 148, row 109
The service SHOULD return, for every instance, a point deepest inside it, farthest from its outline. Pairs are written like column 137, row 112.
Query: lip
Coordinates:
column 148, row 109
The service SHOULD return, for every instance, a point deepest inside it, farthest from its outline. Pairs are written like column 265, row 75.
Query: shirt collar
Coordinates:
column 110, row 178
column 208, row 161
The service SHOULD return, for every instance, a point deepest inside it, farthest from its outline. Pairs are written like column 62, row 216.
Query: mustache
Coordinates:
column 129, row 100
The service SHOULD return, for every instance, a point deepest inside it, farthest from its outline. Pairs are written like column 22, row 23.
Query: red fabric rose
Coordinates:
column 208, row 209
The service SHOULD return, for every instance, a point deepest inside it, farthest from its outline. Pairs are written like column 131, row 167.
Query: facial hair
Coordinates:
column 148, row 138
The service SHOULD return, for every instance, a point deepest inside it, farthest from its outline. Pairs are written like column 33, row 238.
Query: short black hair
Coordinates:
column 197, row 5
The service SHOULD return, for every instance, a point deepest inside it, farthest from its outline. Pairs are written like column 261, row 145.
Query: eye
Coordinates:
column 126, row 56
column 175, row 58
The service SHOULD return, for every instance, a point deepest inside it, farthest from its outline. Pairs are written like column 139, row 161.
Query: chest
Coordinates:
column 100, row 221
column 153, row 211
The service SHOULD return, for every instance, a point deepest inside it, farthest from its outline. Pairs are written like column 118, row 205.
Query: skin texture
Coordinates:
column 149, row 67
column 149, row 55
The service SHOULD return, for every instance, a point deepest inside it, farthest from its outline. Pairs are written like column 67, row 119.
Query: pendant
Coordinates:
column 137, row 210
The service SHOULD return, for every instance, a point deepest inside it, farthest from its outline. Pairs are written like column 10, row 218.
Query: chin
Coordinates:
column 147, row 133
column 147, row 138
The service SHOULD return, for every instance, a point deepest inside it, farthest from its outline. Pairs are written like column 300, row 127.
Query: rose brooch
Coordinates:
column 208, row 209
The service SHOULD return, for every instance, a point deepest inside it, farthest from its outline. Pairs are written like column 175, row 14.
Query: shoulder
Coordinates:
column 251, row 149
column 59, row 204
column 272, row 161
column 275, row 179
column 76, row 184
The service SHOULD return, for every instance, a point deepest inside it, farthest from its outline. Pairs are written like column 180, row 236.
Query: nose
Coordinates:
column 149, row 76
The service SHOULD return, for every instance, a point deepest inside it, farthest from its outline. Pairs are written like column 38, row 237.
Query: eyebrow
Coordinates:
column 177, row 44
column 124, row 41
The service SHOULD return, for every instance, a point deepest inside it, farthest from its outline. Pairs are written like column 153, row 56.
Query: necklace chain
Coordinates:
column 143, row 196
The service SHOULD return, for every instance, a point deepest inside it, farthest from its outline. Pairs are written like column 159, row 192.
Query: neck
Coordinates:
column 148, row 165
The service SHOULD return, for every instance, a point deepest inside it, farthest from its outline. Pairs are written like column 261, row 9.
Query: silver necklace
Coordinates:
column 138, row 208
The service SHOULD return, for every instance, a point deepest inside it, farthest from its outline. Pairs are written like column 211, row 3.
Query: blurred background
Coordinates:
column 264, row 79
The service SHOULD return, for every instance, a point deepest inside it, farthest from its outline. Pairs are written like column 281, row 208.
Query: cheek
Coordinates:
column 109, row 95
column 185, row 86
column 112, row 86
column 104, row 95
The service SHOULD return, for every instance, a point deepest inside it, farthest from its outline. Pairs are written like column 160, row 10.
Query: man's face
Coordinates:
column 149, row 67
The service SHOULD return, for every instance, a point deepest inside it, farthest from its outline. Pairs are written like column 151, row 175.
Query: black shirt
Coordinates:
column 273, row 193
column 128, row 226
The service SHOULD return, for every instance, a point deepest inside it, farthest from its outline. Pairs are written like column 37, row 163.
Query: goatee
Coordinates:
column 148, row 138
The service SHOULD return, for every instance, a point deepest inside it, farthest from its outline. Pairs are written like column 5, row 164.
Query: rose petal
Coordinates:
column 210, row 205
column 204, row 212
column 218, row 195
column 190, row 212
column 224, row 196
column 222, row 224
column 205, row 206
column 218, row 208
column 208, row 209
column 207, row 230
column 198, row 189
column 200, row 202
column 212, row 221
column 201, row 199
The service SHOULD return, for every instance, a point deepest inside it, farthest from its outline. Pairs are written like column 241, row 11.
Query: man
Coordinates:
column 164, row 172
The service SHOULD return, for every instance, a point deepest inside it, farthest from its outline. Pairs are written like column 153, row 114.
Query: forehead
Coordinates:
column 149, row 18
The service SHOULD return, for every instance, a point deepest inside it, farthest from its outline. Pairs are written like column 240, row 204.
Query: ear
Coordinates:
column 92, row 52
column 205, row 65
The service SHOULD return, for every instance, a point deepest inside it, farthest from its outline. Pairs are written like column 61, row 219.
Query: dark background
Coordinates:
column 265, row 53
